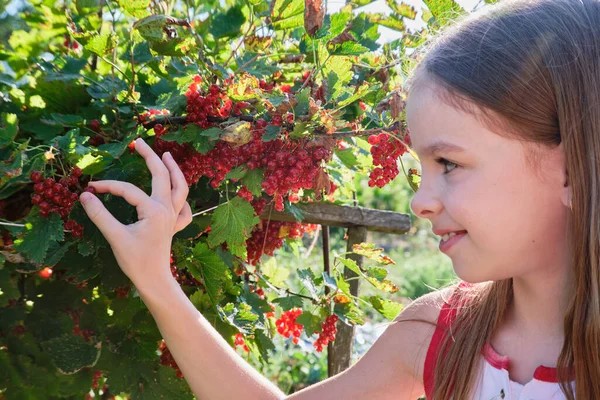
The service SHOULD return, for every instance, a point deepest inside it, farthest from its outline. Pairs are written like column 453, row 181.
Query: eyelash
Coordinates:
column 444, row 162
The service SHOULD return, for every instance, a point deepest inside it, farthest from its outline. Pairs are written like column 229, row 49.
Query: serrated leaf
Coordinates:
column 232, row 223
column 275, row 275
column 444, row 11
column 70, row 353
column 338, row 71
column 8, row 288
column 349, row 313
column 389, row 309
column 348, row 49
column 310, row 322
column 347, row 157
column 43, row 233
column 207, row 267
column 227, row 24
column 237, row 173
column 253, row 181
column 135, row 8
column 287, row 14
column 8, row 128
column 402, row 9
column 289, row 302
column 307, row 277
column 241, row 317
column 271, row 133
column 370, row 251
column 102, row 44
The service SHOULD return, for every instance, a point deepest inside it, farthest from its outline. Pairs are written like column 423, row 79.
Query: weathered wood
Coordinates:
column 326, row 250
column 346, row 217
column 339, row 353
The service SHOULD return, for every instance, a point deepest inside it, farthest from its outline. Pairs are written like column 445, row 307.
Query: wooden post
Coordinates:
column 339, row 353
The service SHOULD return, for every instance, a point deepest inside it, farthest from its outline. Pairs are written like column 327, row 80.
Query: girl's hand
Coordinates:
column 143, row 249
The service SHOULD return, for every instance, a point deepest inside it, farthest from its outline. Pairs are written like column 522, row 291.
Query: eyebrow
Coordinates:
column 441, row 147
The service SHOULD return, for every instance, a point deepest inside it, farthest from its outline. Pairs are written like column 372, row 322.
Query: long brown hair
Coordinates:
column 530, row 69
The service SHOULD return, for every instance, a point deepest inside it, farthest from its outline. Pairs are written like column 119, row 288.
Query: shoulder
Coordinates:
column 415, row 325
column 393, row 367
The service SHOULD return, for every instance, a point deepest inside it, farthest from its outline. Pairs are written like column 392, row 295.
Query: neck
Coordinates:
column 540, row 302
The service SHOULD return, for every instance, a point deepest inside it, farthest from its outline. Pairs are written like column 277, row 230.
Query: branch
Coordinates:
column 181, row 120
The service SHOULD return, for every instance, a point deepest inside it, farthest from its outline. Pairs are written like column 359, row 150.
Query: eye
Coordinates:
column 445, row 162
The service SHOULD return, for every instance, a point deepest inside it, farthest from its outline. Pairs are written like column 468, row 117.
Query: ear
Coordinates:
column 567, row 193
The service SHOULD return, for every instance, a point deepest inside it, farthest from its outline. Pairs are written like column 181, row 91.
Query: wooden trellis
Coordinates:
column 358, row 221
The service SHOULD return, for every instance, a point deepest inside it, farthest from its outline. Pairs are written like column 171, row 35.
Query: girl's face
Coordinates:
column 515, row 219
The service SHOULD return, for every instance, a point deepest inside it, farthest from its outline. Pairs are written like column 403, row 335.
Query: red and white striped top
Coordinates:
column 493, row 382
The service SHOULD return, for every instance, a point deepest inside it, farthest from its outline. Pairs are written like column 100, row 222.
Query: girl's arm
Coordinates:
column 388, row 370
column 211, row 367
column 391, row 369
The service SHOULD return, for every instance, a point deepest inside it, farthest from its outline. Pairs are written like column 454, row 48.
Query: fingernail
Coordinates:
column 85, row 197
column 168, row 154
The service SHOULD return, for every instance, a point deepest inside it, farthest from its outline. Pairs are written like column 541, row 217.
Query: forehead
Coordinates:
column 436, row 126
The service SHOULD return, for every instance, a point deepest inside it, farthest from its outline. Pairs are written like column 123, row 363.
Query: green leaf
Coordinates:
column 253, row 180
column 348, row 49
column 274, row 274
column 8, row 288
column 232, row 223
column 8, row 128
column 135, row 8
column 70, row 353
column 102, row 44
column 237, row 173
column 302, row 97
column 67, row 120
column 227, row 24
column 444, row 11
column 311, row 322
column 241, row 317
column 289, row 302
column 191, row 134
column 307, row 277
column 389, row 309
column 271, row 133
column 206, row 266
column 402, row 9
column 287, row 14
column 347, row 157
column 338, row 71
column 43, row 233
column 360, row 92
column 349, row 313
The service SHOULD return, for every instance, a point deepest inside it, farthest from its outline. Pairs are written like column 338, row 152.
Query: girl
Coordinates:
column 504, row 111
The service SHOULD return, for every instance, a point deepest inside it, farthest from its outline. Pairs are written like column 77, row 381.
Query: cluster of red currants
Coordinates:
column 166, row 358
column 385, row 150
column 58, row 197
column 98, row 139
column 96, row 379
column 183, row 277
column 269, row 236
column 287, row 326
column 75, row 315
column 327, row 333
column 239, row 341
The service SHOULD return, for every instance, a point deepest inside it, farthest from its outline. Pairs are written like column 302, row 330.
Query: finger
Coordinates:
column 110, row 227
column 161, row 180
column 180, row 189
column 184, row 218
column 131, row 193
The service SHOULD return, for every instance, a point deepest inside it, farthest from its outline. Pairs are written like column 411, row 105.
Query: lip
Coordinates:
column 445, row 246
column 442, row 232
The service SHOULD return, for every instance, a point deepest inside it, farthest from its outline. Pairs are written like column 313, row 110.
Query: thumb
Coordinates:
column 100, row 216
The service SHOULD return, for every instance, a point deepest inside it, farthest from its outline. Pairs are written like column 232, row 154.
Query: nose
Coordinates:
column 425, row 203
